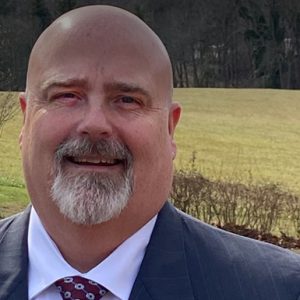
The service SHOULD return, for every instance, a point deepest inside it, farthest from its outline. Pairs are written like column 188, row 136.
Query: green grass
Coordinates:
column 13, row 196
column 12, row 199
column 10, row 159
column 236, row 134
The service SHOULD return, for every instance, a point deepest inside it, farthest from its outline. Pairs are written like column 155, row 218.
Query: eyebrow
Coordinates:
column 126, row 88
column 82, row 82
column 57, row 82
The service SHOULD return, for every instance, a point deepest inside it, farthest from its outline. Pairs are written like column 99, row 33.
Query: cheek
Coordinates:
column 150, row 145
column 51, row 132
column 45, row 132
column 151, row 149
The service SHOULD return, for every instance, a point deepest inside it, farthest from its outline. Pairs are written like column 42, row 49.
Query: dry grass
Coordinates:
column 242, row 135
column 249, row 137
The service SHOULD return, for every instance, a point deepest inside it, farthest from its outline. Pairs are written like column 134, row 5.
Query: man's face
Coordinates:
column 98, row 129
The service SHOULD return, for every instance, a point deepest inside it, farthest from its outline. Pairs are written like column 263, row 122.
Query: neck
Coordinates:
column 84, row 247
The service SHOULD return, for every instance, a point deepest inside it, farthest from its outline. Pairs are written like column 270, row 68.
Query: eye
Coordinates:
column 128, row 102
column 127, row 99
column 66, row 98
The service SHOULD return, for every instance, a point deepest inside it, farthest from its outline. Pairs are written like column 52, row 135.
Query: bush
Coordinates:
column 263, row 208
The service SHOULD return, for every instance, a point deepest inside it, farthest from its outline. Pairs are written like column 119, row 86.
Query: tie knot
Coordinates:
column 80, row 288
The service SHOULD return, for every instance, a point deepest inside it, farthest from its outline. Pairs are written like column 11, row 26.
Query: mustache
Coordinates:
column 81, row 146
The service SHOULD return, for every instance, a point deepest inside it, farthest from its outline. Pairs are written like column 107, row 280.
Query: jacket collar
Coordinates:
column 14, row 259
column 163, row 273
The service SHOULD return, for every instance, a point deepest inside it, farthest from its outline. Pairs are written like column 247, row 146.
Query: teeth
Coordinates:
column 93, row 160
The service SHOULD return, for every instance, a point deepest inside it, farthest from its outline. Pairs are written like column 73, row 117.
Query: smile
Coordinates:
column 94, row 161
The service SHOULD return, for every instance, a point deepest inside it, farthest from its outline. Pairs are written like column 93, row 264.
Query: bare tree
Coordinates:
column 212, row 43
column 8, row 108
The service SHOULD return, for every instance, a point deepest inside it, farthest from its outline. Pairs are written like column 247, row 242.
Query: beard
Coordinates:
column 90, row 198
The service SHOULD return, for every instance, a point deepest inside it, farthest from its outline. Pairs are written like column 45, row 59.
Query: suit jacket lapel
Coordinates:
column 163, row 273
column 14, row 259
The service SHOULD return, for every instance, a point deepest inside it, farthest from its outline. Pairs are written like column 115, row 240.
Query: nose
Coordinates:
column 95, row 123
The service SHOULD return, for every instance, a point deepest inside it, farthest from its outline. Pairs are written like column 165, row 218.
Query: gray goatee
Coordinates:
column 90, row 198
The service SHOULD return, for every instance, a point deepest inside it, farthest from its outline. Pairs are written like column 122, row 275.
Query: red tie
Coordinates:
column 79, row 288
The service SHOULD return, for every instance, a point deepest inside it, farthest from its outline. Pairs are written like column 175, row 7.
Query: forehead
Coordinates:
column 98, row 58
column 112, row 86
column 98, row 73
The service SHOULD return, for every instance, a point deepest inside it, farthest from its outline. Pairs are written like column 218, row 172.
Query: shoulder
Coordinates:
column 5, row 223
column 15, row 222
column 238, row 262
column 232, row 245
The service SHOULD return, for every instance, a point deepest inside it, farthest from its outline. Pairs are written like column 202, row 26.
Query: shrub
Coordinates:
column 264, row 208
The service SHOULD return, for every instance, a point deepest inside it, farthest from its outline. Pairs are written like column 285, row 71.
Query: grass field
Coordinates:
column 241, row 134
column 233, row 134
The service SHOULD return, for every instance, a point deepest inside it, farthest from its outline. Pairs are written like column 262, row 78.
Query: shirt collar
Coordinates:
column 117, row 272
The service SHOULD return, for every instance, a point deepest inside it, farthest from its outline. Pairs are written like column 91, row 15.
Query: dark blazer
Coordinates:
column 185, row 260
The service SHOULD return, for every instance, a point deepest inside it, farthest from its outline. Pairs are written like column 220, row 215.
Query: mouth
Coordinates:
column 94, row 161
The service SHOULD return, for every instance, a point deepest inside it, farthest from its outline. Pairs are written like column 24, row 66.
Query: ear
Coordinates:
column 23, row 105
column 174, row 116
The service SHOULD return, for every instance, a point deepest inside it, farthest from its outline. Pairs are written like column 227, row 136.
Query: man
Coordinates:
column 97, row 147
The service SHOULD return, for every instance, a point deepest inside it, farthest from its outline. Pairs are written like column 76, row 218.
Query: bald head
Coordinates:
column 110, row 34
column 98, row 73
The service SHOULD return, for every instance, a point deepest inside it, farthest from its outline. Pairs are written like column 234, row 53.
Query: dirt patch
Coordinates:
column 282, row 241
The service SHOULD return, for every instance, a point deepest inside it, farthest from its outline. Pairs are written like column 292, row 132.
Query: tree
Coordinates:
column 41, row 12
column 62, row 6
column 265, row 35
column 8, row 108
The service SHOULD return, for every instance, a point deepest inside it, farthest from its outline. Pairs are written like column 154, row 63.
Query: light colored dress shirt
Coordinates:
column 117, row 272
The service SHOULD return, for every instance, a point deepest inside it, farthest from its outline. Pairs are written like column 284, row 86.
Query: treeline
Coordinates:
column 212, row 43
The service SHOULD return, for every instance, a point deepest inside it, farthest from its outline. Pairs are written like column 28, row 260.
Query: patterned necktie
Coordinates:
column 79, row 288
